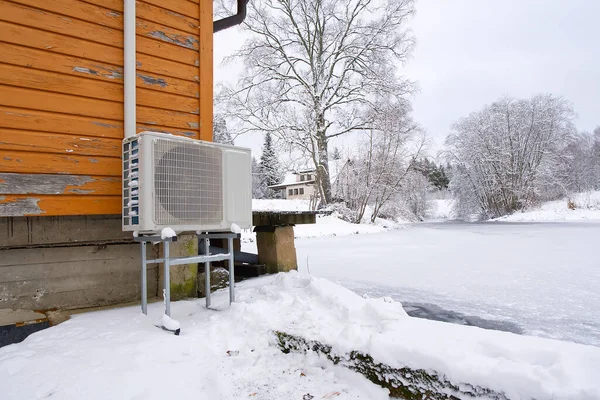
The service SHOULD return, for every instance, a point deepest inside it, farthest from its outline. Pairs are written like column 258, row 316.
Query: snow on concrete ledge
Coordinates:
column 280, row 205
column 232, row 353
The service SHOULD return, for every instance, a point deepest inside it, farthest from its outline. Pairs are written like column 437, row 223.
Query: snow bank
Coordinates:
column 587, row 207
column 330, row 225
column 232, row 353
column 326, row 225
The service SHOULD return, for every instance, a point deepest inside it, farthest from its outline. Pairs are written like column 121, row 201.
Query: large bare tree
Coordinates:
column 509, row 154
column 313, row 67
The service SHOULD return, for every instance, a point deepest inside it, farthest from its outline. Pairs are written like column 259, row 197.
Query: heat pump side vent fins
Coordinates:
column 130, row 173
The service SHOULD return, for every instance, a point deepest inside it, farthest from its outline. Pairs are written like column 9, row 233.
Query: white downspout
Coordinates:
column 129, row 67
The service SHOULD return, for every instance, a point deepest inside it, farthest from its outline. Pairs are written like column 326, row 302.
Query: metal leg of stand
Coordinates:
column 167, row 292
column 231, row 271
column 207, row 272
column 144, row 280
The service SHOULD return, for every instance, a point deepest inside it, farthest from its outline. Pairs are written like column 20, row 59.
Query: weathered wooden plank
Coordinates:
column 23, row 119
column 108, row 18
column 38, row 163
column 24, row 98
column 50, row 230
column 43, row 60
column 20, row 118
column 31, row 205
column 151, row 40
column 13, row 183
column 44, row 142
column 102, row 54
column 78, row 86
column 79, row 107
column 151, row 12
column 206, row 70
column 189, row 9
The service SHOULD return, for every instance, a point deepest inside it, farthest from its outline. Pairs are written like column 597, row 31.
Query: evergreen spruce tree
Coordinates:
column 259, row 184
column 269, row 164
column 220, row 132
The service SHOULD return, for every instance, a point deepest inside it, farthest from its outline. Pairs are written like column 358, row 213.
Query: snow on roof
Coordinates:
column 291, row 179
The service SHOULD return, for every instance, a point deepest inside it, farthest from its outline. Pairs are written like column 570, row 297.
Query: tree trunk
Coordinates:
column 323, row 178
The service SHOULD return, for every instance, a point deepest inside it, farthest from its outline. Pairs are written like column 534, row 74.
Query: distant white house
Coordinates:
column 298, row 185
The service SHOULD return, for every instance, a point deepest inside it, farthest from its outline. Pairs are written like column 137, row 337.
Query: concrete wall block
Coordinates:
column 73, row 277
column 276, row 249
column 28, row 231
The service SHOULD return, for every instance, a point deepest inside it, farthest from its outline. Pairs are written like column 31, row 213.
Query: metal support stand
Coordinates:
column 167, row 261
column 205, row 238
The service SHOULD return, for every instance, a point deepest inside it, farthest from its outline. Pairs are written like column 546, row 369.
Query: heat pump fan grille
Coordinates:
column 187, row 183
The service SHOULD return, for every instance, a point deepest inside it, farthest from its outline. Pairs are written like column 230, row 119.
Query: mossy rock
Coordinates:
column 403, row 383
column 219, row 279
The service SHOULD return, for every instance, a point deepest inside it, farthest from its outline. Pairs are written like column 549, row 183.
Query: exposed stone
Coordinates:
column 403, row 383
column 219, row 279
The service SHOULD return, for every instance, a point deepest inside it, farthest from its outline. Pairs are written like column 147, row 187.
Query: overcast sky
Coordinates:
column 471, row 52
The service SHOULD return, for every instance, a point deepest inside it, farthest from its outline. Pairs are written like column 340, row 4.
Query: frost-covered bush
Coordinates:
column 341, row 211
column 510, row 154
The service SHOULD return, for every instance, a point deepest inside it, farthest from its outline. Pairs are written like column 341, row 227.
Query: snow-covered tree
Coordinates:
column 596, row 158
column 579, row 168
column 312, row 66
column 269, row 164
column 509, row 154
column 373, row 176
column 220, row 132
column 259, row 184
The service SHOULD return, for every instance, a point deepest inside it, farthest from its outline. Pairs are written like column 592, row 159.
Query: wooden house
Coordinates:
column 61, row 127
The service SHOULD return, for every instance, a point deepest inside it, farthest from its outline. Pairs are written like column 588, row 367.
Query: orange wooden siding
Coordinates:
column 61, row 95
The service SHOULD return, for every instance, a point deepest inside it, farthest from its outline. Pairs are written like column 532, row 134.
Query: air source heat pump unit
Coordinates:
column 184, row 184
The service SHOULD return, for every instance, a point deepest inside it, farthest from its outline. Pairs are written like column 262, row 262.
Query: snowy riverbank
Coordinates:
column 232, row 353
column 585, row 206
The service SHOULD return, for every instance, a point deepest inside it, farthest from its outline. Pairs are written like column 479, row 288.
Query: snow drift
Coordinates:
column 233, row 354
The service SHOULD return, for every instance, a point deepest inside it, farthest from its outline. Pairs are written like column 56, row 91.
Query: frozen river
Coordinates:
column 539, row 279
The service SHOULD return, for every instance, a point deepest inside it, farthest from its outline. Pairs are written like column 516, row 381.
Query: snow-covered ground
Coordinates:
column 587, row 207
column 441, row 209
column 231, row 353
column 542, row 278
column 327, row 225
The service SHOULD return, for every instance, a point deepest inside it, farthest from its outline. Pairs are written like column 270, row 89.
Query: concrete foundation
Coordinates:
column 63, row 263
column 276, row 248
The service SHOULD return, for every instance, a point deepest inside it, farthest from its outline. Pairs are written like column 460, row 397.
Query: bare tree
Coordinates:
column 376, row 172
column 313, row 66
column 579, row 168
column 596, row 158
column 510, row 154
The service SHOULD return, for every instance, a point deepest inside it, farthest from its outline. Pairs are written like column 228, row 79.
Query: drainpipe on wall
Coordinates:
column 129, row 68
column 236, row 19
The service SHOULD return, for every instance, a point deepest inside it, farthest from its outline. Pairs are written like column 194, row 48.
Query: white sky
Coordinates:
column 471, row 52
